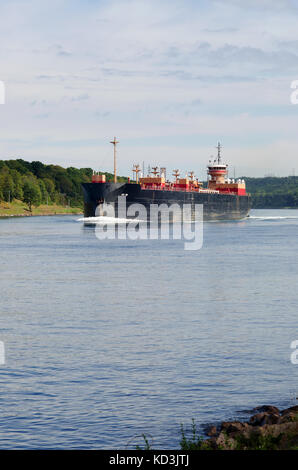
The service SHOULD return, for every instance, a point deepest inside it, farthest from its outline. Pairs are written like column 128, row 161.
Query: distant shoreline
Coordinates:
column 13, row 216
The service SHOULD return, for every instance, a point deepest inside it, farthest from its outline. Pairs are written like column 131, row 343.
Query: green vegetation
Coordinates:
column 195, row 441
column 147, row 445
column 19, row 208
column 273, row 192
column 36, row 184
column 257, row 441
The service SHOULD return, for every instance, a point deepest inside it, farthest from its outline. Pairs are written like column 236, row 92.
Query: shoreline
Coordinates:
column 51, row 214
column 268, row 428
column 19, row 209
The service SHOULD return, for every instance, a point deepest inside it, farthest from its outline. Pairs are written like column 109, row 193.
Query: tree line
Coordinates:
column 36, row 183
column 273, row 192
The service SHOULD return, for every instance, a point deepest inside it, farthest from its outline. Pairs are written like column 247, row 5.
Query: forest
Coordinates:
column 273, row 192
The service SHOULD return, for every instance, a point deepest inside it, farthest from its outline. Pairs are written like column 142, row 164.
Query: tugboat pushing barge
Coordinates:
column 223, row 199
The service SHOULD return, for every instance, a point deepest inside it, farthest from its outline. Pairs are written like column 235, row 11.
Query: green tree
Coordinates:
column 43, row 190
column 18, row 185
column 32, row 194
column 50, row 187
column 6, row 184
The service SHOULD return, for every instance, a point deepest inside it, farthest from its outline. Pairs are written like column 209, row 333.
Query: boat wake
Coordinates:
column 103, row 220
column 285, row 217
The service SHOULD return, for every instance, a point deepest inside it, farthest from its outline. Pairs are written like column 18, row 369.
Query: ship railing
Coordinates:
column 179, row 189
column 169, row 188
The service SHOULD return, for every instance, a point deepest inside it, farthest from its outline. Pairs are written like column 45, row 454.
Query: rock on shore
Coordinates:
column 269, row 428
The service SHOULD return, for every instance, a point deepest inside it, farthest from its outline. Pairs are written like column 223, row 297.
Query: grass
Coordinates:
column 195, row 442
column 19, row 208
column 256, row 441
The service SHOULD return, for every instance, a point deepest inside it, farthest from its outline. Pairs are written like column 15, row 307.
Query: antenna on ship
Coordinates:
column 115, row 142
column 155, row 170
column 218, row 153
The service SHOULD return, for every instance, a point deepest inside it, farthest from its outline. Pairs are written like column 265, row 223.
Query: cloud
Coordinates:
column 221, row 30
column 79, row 71
column 82, row 97
column 62, row 52
column 259, row 4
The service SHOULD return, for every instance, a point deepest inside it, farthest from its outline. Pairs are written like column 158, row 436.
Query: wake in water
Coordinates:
column 104, row 220
column 273, row 217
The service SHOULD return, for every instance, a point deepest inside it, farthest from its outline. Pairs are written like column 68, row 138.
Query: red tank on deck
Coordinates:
column 97, row 178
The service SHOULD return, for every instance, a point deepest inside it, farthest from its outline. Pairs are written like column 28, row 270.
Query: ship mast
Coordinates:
column 191, row 175
column 218, row 153
column 115, row 142
column 155, row 171
column 136, row 170
column 176, row 174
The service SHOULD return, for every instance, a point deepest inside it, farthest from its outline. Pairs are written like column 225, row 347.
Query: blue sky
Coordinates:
column 169, row 78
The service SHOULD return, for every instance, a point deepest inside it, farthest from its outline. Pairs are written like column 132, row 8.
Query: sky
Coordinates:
column 168, row 78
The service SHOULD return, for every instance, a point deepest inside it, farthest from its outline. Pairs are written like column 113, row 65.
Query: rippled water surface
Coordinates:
column 106, row 340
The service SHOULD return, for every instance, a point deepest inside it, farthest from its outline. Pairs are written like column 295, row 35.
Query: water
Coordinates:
column 108, row 340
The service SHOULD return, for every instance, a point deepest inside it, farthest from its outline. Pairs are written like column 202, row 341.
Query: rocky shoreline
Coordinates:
column 267, row 429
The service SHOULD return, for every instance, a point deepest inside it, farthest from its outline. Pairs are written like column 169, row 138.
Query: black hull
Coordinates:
column 216, row 206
